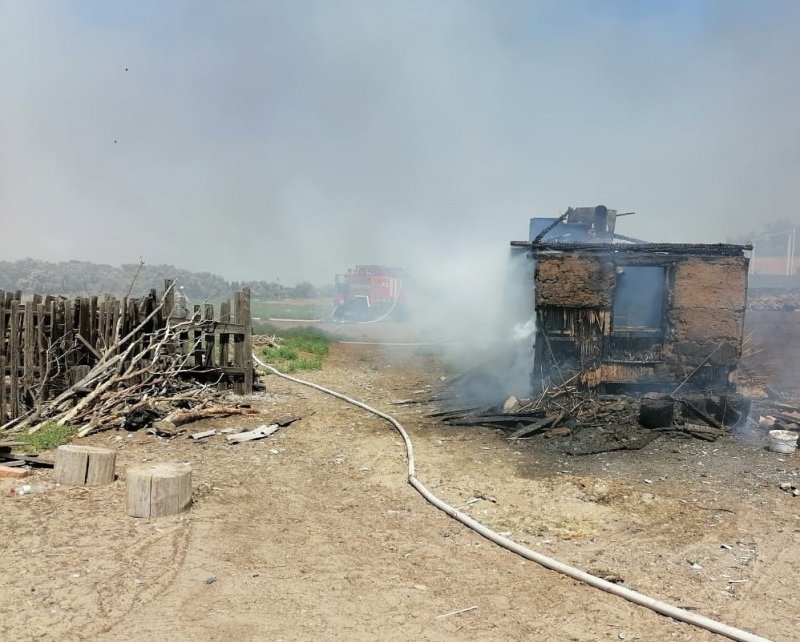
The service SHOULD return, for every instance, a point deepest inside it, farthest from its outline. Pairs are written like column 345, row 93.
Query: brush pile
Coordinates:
column 137, row 380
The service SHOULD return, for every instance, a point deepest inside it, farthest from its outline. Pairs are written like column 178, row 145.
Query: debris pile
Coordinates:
column 592, row 423
column 139, row 379
column 777, row 415
column 772, row 301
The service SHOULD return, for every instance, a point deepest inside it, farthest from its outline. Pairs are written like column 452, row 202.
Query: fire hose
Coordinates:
column 653, row 604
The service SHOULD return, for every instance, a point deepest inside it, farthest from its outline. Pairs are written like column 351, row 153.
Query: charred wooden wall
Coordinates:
column 702, row 314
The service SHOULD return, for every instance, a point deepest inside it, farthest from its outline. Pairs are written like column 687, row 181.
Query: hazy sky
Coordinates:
column 292, row 139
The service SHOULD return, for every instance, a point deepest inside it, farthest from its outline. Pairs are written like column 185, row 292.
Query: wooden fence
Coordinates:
column 48, row 343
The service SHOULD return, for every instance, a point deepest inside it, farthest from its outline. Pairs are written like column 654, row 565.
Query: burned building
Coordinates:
column 635, row 316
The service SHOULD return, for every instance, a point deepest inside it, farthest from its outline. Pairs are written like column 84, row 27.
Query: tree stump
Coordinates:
column 156, row 490
column 84, row 465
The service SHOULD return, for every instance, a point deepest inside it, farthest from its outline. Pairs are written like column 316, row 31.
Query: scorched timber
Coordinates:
column 715, row 249
column 492, row 420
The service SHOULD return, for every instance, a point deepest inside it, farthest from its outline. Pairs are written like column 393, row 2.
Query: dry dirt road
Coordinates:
column 314, row 534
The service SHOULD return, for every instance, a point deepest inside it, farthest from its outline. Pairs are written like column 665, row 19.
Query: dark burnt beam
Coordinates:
column 686, row 249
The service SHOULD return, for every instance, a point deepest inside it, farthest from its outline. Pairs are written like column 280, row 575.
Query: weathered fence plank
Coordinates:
column 14, row 357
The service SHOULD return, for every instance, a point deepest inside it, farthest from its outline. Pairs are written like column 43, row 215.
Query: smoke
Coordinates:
column 478, row 307
column 293, row 139
column 524, row 331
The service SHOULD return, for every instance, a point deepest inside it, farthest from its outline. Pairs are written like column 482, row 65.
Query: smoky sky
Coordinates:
column 264, row 140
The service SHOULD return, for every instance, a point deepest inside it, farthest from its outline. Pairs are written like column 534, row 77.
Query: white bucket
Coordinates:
column 782, row 441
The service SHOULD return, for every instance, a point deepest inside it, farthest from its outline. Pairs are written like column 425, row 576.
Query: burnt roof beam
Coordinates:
column 715, row 249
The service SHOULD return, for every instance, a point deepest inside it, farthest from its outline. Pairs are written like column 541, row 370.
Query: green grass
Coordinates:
column 289, row 309
column 298, row 349
column 281, row 353
column 48, row 437
column 312, row 340
column 304, row 363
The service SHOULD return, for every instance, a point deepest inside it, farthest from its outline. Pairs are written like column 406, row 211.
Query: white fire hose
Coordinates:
column 548, row 562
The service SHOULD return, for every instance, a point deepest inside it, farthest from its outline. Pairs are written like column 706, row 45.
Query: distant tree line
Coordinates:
column 276, row 291
column 70, row 278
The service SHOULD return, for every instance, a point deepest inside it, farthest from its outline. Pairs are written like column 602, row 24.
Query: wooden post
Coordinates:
column 13, row 349
column 28, row 345
column 156, row 490
column 248, row 342
column 3, row 416
column 197, row 339
column 84, row 329
column 84, row 465
column 93, row 324
column 41, row 351
column 116, row 313
column 169, row 298
column 209, row 338
column 224, row 340
column 238, row 344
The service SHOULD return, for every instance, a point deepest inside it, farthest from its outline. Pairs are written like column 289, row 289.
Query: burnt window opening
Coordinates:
column 639, row 298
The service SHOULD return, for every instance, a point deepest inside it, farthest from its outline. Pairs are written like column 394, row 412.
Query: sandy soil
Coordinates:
column 314, row 533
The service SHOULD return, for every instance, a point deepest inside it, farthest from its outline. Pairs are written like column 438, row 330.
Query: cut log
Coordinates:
column 84, row 465
column 180, row 417
column 157, row 490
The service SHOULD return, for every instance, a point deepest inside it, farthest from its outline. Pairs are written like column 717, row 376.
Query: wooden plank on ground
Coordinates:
column 258, row 433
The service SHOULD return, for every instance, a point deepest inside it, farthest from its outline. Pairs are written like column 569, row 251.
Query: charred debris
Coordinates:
column 629, row 340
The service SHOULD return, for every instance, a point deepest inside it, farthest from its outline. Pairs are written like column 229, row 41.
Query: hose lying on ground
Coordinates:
column 632, row 596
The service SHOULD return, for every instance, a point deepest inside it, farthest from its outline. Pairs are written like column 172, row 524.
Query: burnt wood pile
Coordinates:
column 592, row 423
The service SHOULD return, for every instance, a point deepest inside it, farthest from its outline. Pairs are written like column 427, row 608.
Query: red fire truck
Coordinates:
column 370, row 293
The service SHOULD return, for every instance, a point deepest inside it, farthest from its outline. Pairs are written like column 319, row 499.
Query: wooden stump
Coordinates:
column 84, row 465
column 155, row 490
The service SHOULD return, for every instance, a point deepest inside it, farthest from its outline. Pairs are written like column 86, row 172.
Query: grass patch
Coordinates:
column 48, row 437
column 311, row 340
column 289, row 310
column 303, row 363
column 281, row 353
column 299, row 349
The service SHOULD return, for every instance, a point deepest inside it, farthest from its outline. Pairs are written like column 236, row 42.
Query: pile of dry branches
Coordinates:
column 136, row 380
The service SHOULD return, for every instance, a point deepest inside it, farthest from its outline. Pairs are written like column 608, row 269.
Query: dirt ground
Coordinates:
column 314, row 533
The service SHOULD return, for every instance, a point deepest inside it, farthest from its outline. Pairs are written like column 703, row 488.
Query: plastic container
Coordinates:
column 28, row 489
column 782, row 441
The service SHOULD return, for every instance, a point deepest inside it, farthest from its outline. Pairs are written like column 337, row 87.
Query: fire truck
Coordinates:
column 369, row 293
